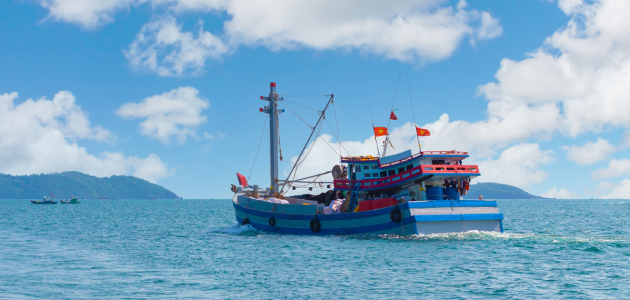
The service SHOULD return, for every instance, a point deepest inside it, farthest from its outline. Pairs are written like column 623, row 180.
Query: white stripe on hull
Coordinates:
column 259, row 212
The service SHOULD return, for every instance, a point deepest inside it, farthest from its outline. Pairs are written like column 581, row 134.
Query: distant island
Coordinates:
column 62, row 185
column 491, row 190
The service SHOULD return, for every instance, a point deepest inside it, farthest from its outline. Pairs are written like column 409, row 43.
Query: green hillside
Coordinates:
column 491, row 190
column 62, row 185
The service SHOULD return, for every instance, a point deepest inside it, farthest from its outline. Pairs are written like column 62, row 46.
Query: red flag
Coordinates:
column 392, row 116
column 379, row 131
column 241, row 180
column 422, row 132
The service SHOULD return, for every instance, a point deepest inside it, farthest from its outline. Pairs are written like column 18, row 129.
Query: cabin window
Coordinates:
column 374, row 175
column 374, row 167
column 400, row 170
column 367, row 175
column 358, row 169
column 384, row 174
column 391, row 172
column 438, row 162
column 409, row 167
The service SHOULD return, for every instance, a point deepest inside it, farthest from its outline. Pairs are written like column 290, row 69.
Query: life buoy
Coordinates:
column 315, row 225
column 272, row 221
column 395, row 215
column 245, row 222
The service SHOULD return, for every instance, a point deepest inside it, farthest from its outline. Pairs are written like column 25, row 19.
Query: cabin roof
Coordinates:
column 403, row 157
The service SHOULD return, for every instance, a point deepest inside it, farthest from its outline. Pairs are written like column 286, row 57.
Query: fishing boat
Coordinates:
column 72, row 201
column 44, row 201
column 402, row 194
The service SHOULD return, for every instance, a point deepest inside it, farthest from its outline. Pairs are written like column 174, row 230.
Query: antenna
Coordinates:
column 412, row 113
column 389, row 119
column 375, row 141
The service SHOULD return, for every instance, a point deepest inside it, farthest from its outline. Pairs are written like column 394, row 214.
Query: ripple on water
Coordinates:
column 194, row 249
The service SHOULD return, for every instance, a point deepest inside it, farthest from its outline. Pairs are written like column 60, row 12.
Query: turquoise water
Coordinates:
column 194, row 249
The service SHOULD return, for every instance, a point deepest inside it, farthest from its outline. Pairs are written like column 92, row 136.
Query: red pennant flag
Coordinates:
column 379, row 131
column 241, row 180
column 422, row 132
column 392, row 116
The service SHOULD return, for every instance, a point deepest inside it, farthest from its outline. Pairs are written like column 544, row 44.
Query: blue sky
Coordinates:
column 168, row 90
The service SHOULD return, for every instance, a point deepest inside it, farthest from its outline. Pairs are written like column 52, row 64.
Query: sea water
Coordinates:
column 107, row 249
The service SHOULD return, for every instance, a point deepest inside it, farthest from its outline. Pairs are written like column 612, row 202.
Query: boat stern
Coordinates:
column 455, row 216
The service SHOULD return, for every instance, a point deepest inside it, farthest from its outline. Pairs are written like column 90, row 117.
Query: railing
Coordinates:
column 364, row 158
column 448, row 169
column 411, row 173
column 359, row 158
column 444, row 152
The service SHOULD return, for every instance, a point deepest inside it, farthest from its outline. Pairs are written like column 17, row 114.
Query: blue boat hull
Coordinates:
column 417, row 217
column 43, row 202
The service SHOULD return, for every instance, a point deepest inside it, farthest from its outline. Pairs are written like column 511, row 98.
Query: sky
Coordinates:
column 538, row 92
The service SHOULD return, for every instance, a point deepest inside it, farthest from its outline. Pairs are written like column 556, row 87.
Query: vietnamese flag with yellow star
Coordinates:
column 422, row 132
column 379, row 131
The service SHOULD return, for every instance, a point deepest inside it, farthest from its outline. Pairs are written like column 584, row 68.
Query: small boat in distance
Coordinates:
column 44, row 201
column 72, row 201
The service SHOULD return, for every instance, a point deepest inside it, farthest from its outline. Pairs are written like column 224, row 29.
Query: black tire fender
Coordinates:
column 396, row 215
column 272, row 221
column 315, row 225
column 245, row 222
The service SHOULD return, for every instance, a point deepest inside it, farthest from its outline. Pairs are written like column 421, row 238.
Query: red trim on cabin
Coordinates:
column 383, row 182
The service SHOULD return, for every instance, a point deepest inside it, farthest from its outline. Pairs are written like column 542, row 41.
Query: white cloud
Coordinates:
column 150, row 168
column 560, row 194
column 40, row 136
column 577, row 82
column 411, row 30
column 615, row 168
column 162, row 47
column 583, row 68
column 590, row 152
column 87, row 13
column 518, row 166
column 490, row 27
column 622, row 191
column 175, row 113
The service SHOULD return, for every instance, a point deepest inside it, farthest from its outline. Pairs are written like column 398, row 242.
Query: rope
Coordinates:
column 412, row 113
column 296, row 114
column 371, row 117
column 261, row 137
column 333, row 149
column 279, row 143
column 333, row 132
column 298, row 163
column 308, row 152
column 338, row 135
column 317, row 125
column 302, row 105
column 395, row 92
column 305, row 95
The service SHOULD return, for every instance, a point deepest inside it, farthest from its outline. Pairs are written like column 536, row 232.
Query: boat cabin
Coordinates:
column 429, row 175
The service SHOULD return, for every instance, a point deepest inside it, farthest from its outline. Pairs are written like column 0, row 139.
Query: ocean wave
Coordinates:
column 236, row 230
column 475, row 235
